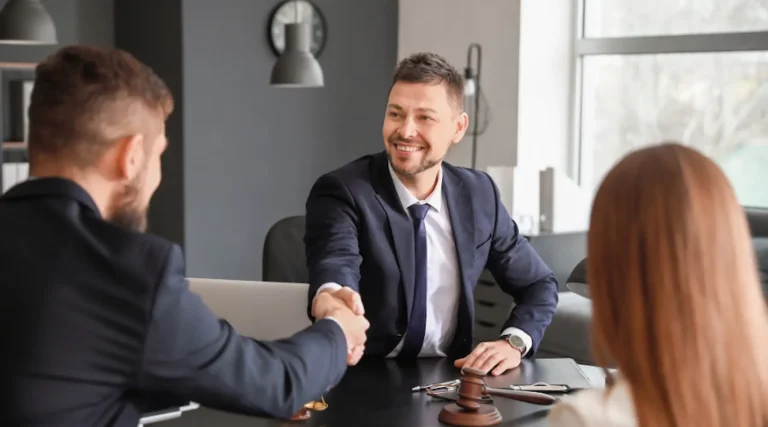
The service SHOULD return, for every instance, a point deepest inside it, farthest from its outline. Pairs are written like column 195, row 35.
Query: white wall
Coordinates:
column 447, row 27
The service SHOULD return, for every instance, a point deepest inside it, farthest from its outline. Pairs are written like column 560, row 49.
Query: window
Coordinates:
column 625, row 18
column 694, row 71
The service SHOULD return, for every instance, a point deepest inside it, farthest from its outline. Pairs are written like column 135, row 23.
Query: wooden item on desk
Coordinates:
column 302, row 415
column 305, row 412
column 468, row 411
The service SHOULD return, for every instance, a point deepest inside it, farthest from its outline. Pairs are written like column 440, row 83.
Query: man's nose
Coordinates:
column 408, row 129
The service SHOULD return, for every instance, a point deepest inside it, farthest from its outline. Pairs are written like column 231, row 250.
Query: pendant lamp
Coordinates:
column 297, row 67
column 26, row 22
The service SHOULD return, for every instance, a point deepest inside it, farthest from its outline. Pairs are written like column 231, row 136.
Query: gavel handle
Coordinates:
column 523, row 396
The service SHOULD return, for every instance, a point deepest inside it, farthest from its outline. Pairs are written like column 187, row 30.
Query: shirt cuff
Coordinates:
column 525, row 337
column 330, row 285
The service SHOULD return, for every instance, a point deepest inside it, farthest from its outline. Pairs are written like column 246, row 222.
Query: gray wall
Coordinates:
column 244, row 154
column 252, row 152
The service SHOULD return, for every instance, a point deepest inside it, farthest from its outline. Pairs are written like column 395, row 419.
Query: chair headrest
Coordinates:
column 579, row 273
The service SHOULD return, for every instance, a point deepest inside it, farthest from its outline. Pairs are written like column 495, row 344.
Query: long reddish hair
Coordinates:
column 677, row 302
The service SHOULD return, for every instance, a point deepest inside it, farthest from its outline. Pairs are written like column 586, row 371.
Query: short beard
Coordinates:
column 125, row 211
column 424, row 165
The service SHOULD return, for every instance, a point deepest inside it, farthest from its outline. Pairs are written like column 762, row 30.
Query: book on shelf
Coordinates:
column 14, row 173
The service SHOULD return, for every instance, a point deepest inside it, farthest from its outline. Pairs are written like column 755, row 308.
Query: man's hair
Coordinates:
column 86, row 97
column 431, row 68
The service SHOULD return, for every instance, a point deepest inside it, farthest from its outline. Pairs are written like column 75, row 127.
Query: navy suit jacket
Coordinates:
column 359, row 235
column 99, row 326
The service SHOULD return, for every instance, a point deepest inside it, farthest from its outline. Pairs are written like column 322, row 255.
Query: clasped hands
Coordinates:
column 346, row 306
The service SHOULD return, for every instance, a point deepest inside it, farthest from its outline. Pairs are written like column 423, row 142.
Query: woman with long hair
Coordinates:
column 677, row 304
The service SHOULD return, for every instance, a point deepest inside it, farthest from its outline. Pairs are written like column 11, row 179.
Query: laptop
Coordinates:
column 260, row 310
column 560, row 371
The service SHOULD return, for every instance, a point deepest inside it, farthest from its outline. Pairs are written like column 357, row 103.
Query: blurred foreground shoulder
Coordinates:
column 595, row 408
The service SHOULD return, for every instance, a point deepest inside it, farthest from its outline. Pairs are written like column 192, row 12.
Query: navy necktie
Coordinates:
column 417, row 323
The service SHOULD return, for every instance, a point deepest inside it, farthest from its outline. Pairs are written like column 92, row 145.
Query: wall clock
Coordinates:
column 292, row 11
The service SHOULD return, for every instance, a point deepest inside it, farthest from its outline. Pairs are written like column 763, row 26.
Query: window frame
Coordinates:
column 584, row 47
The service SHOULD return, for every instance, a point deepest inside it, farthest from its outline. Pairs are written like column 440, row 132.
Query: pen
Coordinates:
column 544, row 388
column 428, row 386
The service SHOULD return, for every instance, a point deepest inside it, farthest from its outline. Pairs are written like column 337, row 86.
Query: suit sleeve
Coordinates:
column 521, row 273
column 330, row 238
column 191, row 352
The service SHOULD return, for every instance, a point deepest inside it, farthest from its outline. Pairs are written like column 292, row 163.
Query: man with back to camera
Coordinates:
column 403, row 237
column 98, row 322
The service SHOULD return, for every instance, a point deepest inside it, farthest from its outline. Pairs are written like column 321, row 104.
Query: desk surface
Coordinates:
column 378, row 393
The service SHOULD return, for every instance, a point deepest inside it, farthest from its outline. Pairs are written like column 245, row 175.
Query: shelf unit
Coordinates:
column 15, row 152
column 13, row 148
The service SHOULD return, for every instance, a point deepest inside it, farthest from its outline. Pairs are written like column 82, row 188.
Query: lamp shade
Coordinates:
column 26, row 22
column 297, row 67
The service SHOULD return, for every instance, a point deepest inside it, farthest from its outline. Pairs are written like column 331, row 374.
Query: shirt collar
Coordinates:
column 435, row 200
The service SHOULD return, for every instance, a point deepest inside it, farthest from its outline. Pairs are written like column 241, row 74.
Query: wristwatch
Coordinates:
column 516, row 342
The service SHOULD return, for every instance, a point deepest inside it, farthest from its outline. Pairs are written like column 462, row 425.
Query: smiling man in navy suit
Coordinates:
column 403, row 236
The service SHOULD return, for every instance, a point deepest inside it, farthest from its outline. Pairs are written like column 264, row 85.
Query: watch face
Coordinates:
column 516, row 341
column 293, row 11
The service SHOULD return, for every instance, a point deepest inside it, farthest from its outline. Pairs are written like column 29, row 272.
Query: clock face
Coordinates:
column 293, row 11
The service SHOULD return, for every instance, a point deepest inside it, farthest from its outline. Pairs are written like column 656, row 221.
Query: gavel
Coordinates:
column 470, row 412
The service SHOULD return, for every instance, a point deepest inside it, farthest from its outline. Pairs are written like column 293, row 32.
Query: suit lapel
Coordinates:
column 458, row 198
column 459, row 201
column 399, row 224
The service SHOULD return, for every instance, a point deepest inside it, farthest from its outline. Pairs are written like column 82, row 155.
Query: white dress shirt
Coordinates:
column 443, row 282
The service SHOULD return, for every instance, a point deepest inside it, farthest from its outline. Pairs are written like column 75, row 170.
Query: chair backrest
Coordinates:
column 283, row 258
column 261, row 310
column 758, row 226
column 758, row 222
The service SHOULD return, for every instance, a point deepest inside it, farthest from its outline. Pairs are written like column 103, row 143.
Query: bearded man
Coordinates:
column 402, row 236
column 97, row 320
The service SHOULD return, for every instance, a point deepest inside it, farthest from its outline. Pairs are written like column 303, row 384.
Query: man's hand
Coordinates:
column 322, row 304
column 498, row 356
column 354, row 328
column 354, row 355
column 326, row 304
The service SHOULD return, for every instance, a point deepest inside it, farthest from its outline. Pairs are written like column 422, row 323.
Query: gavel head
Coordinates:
column 471, row 389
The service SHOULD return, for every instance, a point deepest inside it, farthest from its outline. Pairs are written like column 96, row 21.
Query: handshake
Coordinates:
column 346, row 307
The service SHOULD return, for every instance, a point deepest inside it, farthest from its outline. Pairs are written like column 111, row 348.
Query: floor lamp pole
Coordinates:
column 476, row 120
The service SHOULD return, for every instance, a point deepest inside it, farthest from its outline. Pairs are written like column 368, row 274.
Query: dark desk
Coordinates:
column 378, row 393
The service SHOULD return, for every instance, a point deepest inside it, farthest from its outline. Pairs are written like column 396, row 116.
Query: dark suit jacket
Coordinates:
column 359, row 235
column 98, row 323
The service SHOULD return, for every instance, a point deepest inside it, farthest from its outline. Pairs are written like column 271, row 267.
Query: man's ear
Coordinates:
column 462, row 123
column 130, row 156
